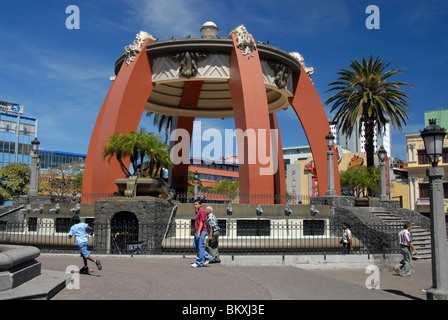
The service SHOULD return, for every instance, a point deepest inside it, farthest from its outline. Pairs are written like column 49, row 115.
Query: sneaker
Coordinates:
column 194, row 265
column 215, row 260
column 206, row 262
column 98, row 264
column 397, row 271
column 84, row 270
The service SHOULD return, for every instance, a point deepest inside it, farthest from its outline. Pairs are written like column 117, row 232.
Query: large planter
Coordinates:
column 136, row 186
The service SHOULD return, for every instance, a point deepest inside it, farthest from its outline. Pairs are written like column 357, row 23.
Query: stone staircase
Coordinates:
column 421, row 237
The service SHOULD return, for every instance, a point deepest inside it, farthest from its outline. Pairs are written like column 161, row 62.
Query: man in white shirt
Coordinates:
column 404, row 268
column 164, row 174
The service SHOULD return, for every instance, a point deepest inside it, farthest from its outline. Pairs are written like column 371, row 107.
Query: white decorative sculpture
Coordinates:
column 299, row 57
column 245, row 42
column 134, row 49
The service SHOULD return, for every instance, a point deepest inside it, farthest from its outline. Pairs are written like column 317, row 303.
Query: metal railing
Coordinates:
column 208, row 197
column 236, row 237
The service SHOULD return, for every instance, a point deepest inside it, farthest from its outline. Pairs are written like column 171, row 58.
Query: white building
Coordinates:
column 356, row 142
column 292, row 154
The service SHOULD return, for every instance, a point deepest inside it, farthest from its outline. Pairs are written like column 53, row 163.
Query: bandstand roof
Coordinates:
column 177, row 62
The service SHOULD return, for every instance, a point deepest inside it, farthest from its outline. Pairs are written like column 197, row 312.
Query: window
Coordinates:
column 32, row 224
column 63, row 225
column 313, row 227
column 422, row 157
column 222, row 224
column 423, row 190
column 253, row 227
column 445, row 155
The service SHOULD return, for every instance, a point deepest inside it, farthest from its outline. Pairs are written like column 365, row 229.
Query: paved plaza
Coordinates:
column 172, row 278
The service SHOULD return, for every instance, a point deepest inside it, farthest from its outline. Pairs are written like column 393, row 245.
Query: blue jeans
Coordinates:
column 199, row 245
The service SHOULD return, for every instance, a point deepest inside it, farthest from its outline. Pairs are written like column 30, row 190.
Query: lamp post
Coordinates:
column 195, row 186
column 382, row 158
column 433, row 136
column 331, row 191
column 34, row 180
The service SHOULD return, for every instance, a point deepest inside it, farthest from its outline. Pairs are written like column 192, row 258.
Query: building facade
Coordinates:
column 292, row 154
column 54, row 159
column 440, row 115
column 16, row 133
column 418, row 162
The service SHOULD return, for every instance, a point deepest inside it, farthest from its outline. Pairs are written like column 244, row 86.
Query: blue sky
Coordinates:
column 61, row 76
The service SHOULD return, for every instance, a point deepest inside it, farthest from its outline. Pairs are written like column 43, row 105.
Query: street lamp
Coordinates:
column 195, row 186
column 209, row 29
column 330, row 141
column 34, row 179
column 382, row 158
column 433, row 136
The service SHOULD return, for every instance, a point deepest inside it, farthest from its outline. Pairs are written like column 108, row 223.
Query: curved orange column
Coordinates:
column 121, row 112
column 280, row 175
column 311, row 113
column 190, row 98
column 250, row 107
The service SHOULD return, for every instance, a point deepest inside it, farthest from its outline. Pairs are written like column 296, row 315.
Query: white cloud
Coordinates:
column 164, row 19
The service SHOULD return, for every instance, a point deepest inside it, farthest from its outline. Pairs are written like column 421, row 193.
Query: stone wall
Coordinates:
column 373, row 233
column 146, row 210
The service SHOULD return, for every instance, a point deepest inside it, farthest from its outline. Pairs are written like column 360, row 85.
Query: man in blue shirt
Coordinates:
column 78, row 230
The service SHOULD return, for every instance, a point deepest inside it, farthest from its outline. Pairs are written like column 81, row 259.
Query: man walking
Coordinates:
column 200, row 225
column 346, row 239
column 404, row 268
column 213, row 235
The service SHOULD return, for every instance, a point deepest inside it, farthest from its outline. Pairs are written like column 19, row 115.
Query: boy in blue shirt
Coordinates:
column 78, row 230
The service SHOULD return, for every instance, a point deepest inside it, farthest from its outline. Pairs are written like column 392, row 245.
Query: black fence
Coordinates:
column 236, row 237
column 210, row 197
column 205, row 196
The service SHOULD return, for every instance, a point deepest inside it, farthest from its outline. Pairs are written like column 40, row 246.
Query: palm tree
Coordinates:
column 364, row 93
column 158, row 154
column 162, row 121
column 138, row 146
column 115, row 147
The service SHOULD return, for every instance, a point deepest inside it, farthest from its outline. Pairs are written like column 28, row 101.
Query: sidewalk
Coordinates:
column 172, row 278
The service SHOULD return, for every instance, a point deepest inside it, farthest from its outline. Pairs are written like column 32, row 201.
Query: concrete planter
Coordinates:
column 136, row 186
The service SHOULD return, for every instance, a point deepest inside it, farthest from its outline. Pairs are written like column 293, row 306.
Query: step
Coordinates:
column 420, row 236
column 42, row 287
